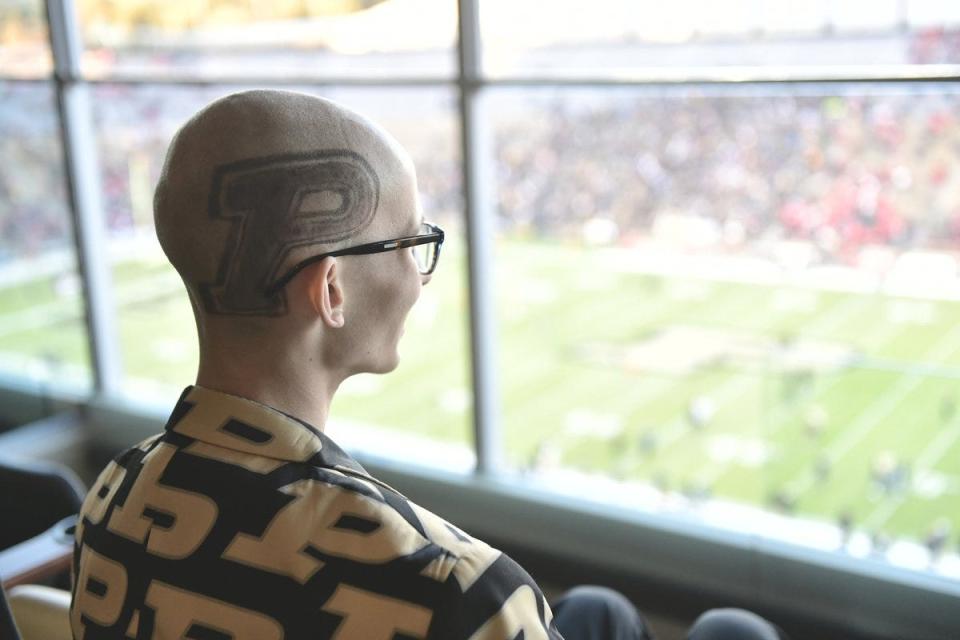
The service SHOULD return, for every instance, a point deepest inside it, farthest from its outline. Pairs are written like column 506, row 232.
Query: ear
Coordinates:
column 325, row 292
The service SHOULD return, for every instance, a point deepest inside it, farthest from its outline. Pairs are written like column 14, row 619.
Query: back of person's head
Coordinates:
column 258, row 181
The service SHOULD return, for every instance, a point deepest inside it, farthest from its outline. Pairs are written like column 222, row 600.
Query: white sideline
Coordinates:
column 732, row 516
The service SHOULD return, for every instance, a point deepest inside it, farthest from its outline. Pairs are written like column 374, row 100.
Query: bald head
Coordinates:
column 259, row 180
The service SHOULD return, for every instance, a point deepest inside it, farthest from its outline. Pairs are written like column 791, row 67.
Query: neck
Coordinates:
column 299, row 391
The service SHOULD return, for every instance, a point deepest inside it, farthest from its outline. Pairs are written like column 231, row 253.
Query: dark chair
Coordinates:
column 34, row 496
column 38, row 506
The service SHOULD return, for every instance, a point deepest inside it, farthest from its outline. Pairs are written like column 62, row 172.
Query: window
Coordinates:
column 738, row 301
column 287, row 39
column 42, row 332
column 24, row 48
column 700, row 271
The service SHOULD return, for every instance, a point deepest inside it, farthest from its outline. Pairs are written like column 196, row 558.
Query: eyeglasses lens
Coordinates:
column 425, row 255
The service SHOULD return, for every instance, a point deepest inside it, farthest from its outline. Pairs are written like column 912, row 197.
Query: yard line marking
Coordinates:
column 874, row 415
column 927, row 459
column 711, row 475
column 727, row 390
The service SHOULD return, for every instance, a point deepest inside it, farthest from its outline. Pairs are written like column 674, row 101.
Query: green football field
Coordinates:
column 818, row 403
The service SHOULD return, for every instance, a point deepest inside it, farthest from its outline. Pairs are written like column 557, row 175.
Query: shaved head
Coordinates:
column 260, row 180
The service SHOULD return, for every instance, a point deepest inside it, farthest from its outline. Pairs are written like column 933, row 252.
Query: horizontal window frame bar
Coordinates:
column 734, row 76
column 734, row 38
column 721, row 76
column 206, row 81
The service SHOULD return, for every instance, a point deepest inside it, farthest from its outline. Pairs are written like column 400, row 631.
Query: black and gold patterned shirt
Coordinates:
column 239, row 522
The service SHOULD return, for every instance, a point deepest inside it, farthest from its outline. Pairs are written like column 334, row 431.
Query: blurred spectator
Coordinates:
column 839, row 172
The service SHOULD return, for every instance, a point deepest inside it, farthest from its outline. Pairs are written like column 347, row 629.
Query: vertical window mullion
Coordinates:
column 82, row 169
column 477, row 183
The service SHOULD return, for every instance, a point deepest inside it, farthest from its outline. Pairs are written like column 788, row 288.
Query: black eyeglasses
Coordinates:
column 426, row 249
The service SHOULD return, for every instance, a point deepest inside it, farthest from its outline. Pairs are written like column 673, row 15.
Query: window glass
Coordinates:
column 301, row 39
column 24, row 45
column 738, row 303
column 158, row 336
column 647, row 38
column 42, row 326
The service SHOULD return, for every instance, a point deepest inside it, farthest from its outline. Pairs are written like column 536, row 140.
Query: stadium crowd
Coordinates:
column 33, row 204
column 874, row 165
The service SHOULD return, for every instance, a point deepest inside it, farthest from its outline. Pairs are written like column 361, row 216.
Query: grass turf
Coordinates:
column 757, row 447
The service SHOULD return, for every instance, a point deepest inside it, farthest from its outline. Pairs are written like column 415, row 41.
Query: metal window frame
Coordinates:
column 476, row 157
column 693, row 555
column 81, row 165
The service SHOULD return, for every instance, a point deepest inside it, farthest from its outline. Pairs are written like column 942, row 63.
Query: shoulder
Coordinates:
column 490, row 596
column 501, row 603
column 110, row 479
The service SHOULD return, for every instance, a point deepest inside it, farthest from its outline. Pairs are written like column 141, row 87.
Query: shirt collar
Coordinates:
column 226, row 420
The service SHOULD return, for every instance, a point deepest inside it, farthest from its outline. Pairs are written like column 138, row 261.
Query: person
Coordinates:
column 296, row 228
